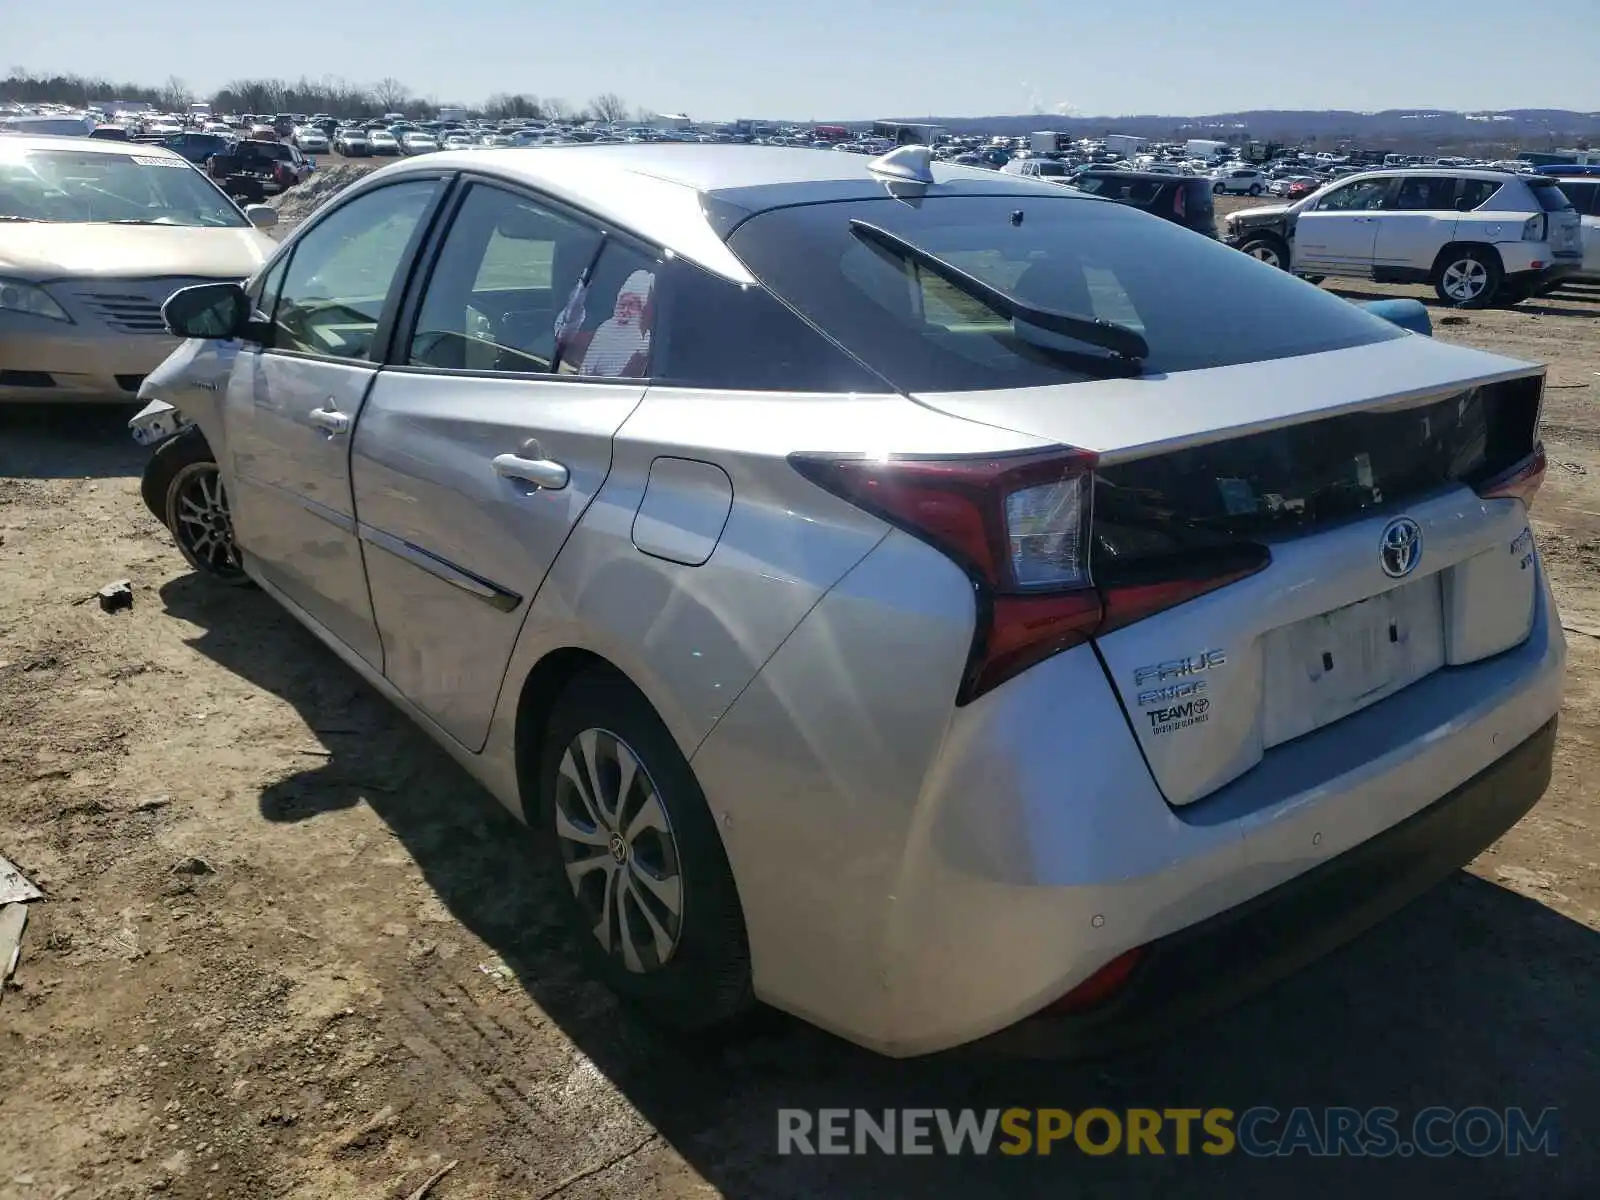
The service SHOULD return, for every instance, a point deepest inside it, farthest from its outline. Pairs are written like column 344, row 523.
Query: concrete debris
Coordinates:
column 116, row 595
column 13, row 920
column 14, row 886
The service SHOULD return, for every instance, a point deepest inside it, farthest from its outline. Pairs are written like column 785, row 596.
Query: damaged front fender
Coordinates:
column 184, row 390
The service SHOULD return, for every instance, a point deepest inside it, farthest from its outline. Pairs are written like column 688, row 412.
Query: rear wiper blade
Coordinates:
column 1108, row 335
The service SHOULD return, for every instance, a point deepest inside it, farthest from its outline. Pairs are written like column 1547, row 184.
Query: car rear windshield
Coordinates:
column 1197, row 303
column 1549, row 195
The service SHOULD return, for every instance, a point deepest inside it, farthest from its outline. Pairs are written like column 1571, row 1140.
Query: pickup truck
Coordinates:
column 253, row 170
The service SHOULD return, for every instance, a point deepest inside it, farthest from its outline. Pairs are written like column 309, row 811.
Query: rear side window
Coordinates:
column 1197, row 303
column 1550, row 196
column 720, row 334
column 1475, row 192
column 1424, row 192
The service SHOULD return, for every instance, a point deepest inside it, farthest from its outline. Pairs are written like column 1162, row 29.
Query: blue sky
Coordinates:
column 860, row 59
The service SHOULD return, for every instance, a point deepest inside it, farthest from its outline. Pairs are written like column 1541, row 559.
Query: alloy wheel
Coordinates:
column 1264, row 252
column 1464, row 280
column 201, row 521
column 619, row 850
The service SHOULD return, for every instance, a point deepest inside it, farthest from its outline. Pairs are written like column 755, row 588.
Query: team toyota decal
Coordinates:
column 1182, row 702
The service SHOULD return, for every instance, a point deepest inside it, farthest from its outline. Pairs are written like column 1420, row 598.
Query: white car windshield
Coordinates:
column 84, row 187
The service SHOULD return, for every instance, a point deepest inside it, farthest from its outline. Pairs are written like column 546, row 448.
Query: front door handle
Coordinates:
column 330, row 421
column 541, row 472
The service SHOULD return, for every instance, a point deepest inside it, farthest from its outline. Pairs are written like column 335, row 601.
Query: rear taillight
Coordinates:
column 1020, row 526
column 1536, row 229
column 1099, row 988
column 1520, row 482
column 1180, row 204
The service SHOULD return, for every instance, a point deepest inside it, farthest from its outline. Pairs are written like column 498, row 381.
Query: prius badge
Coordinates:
column 1400, row 548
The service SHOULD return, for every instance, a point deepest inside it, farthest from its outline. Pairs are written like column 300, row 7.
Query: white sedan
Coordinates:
column 309, row 140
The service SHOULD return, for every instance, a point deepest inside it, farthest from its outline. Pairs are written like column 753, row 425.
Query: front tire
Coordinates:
column 183, row 488
column 1218, row 190
column 651, row 897
column 1468, row 278
column 1268, row 249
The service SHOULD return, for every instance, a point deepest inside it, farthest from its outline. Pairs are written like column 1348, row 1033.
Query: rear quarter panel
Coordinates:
column 692, row 637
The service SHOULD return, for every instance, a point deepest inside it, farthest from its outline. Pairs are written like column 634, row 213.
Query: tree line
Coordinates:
column 337, row 97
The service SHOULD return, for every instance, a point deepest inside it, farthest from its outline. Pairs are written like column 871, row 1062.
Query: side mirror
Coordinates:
column 207, row 310
column 1409, row 315
column 262, row 216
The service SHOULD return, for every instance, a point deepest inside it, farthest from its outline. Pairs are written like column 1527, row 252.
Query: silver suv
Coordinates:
column 920, row 598
column 1477, row 236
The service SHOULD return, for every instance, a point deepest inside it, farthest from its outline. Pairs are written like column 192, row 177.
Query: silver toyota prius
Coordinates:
column 935, row 603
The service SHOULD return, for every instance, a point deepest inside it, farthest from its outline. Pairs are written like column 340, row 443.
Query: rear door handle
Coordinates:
column 330, row 421
column 541, row 472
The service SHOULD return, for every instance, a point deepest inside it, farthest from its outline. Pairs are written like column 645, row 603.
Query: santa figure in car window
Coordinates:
column 620, row 347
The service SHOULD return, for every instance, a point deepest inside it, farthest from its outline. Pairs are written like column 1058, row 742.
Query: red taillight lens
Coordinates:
column 1180, row 205
column 1020, row 525
column 1520, row 482
column 1098, row 988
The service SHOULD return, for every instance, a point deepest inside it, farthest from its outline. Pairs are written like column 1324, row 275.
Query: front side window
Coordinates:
column 1196, row 303
column 88, row 187
column 343, row 269
column 506, row 271
column 1365, row 196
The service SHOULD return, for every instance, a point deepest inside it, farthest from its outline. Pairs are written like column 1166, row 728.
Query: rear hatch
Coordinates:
column 1357, row 478
column 1564, row 224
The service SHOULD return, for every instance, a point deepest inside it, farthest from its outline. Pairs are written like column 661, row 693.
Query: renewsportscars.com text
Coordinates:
column 1257, row 1132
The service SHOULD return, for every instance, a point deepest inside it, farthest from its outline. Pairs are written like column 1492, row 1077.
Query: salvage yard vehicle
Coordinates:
column 1584, row 194
column 252, row 169
column 1477, row 236
column 94, row 236
column 1182, row 199
column 943, row 605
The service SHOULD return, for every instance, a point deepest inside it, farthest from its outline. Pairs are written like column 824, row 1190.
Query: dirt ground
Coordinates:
column 288, row 949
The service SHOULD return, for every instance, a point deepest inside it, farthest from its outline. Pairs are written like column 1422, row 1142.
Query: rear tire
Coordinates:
column 1468, row 278
column 1255, row 189
column 633, row 837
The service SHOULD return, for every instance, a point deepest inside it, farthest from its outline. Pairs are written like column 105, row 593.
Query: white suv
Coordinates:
column 1477, row 236
column 1584, row 192
column 1239, row 180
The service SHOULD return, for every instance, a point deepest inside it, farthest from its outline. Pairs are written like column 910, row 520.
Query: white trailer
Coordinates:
column 1205, row 148
column 1124, row 145
column 1046, row 142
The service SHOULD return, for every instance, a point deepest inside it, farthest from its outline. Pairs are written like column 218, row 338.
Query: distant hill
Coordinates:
column 1424, row 128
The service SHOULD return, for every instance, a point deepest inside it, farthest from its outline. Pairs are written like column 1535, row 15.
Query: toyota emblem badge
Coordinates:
column 1400, row 549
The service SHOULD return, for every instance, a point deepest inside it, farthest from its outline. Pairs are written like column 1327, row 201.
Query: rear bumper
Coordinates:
column 49, row 362
column 916, row 878
column 1227, row 957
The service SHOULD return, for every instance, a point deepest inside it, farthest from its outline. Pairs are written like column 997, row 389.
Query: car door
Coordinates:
column 291, row 405
column 482, row 446
column 1336, row 232
column 1418, row 219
